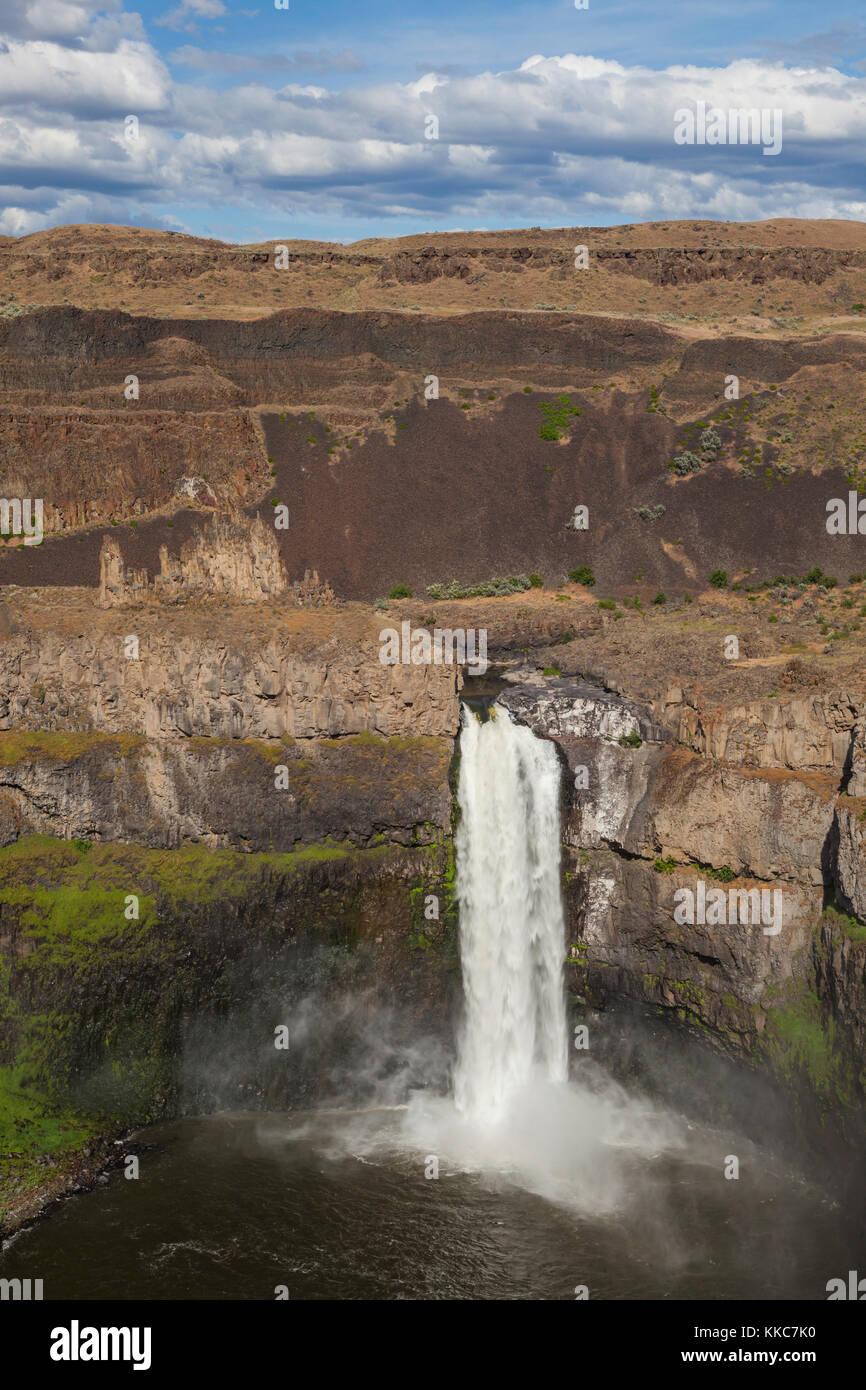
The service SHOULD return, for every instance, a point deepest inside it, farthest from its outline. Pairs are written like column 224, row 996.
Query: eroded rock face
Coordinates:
column 768, row 825
column 181, row 684
column 652, row 830
column 579, row 711
column 813, row 731
column 226, row 794
column 857, row 778
column 850, row 856
column 840, row 973
column 717, row 972
column 70, row 457
column 627, row 786
column 232, row 555
column 658, row 265
column 119, row 583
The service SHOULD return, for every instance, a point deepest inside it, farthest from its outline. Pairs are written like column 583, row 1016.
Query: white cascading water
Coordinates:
column 514, row 1112
column 512, row 932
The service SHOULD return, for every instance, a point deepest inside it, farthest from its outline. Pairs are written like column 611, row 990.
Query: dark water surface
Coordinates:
column 334, row 1207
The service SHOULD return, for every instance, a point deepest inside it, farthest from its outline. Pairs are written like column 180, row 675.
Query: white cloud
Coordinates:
column 96, row 24
column 188, row 11
column 428, row 83
column 45, row 76
column 556, row 140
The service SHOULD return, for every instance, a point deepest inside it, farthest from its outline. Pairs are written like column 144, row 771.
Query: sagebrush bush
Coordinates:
column 685, row 463
column 711, row 442
column 492, row 588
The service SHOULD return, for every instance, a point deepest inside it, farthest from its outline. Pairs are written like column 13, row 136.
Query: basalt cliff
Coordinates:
column 219, row 797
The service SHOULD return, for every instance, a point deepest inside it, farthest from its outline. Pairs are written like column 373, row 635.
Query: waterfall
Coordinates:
column 513, row 1111
column 512, row 933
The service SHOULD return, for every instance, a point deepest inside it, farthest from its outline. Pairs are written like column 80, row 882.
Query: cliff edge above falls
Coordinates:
column 221, row 669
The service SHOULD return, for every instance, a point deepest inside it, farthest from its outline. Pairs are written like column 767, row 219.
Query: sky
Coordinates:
column 339, row 121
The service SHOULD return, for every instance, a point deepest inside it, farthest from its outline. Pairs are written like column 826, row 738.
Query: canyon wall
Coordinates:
column 646, row 818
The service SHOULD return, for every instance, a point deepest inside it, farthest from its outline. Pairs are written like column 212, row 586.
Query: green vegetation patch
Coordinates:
column 803, row 1045
column 35, row 1134
column 109, row 950
column 557, row 416
column 843, row 922
column 30, row 1125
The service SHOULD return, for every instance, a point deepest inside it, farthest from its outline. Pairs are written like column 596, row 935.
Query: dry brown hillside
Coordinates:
column 782, row 275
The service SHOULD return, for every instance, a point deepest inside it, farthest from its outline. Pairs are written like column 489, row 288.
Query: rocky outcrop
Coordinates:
column 718, row 974
column 102, row 462
column 567, row 708
column 749, row 264
column 767, row 825
column 231, row 555
column 811, row 731
column 119, row 584
column 857, row 779
column 630, row 788
column 840, row 981
column 321, row 335
column 664, row 265
column 850, row 855
column 143, row 266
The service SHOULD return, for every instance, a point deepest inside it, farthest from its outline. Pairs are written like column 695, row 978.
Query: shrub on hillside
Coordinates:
column 492, row 588
column 685, row 463
column 711, row 443
column 557, row 415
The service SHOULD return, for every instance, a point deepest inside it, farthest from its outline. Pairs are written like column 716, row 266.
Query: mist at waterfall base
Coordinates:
column 611, row 1177
column 513, row 1112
